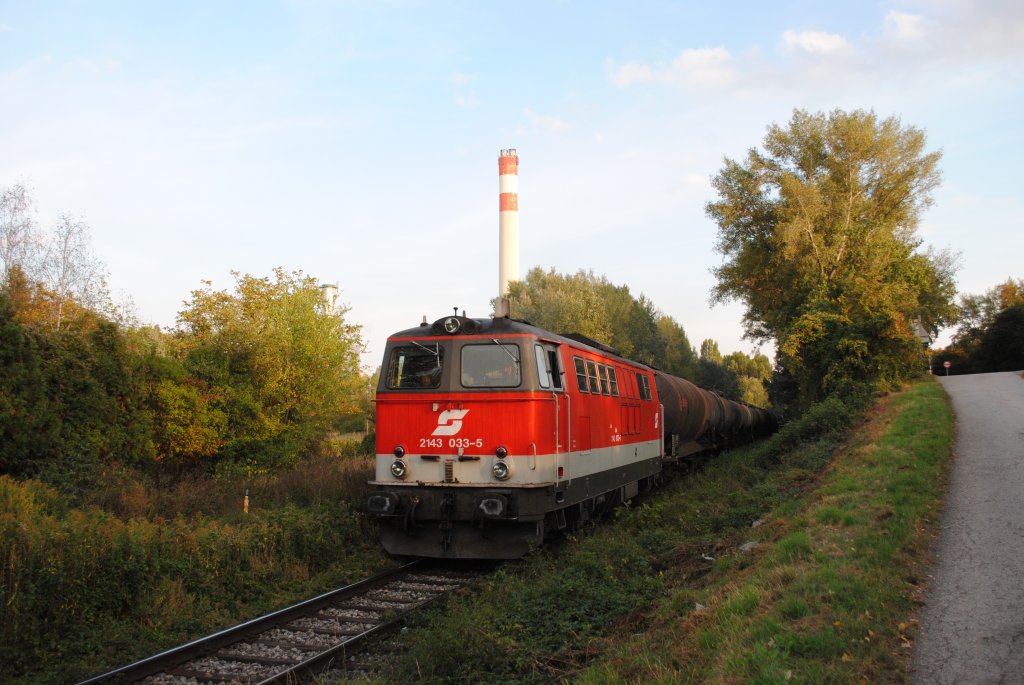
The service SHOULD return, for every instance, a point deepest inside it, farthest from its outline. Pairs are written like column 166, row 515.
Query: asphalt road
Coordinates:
column 972, row 625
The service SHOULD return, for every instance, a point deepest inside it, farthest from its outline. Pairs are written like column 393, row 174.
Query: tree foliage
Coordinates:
column 709, row 351
column 817, row 232
column 71, row 401
column 752, row 373
column 1001, row 347
column 270, row 361
column 17, row 229
column 593, row 306
column 978, row 312
column 255, row 377
column 70, row 271
column 50, row 277
column 737, row 376
column 988, row 336
column 679, row 358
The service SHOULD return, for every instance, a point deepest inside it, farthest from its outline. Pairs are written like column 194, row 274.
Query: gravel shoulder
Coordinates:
column 972, row 625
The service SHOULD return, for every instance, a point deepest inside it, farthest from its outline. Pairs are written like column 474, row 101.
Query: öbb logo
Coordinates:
column 449, row 422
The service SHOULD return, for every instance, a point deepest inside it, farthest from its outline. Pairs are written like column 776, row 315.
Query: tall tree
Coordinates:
column 751, row 374
column 709, row 351
column 18, row 240
column 595, row 307
column 69, row 269
column 562, row 303
column 818, row 238
column 678, row 357
column 1001, row 347
column 277, row 367
column 977, row 312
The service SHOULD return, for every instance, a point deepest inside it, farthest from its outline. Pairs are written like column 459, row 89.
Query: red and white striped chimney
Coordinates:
column 508, row 226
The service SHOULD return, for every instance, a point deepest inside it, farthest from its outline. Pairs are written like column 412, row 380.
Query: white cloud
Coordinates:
column 815, row 42
column 705, row 66
column 546, row 122
column 981, row 29
column 952, row 41
column 467, row 100
column 460, row 79
column 628, row 74
column 698, row 66
column 903, row 27
column 4, row 28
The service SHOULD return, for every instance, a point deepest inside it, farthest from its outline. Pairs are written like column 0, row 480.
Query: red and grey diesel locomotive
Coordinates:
column 492, row 433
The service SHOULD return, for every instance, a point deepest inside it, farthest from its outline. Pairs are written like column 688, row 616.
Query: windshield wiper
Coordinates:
column 512, row 356
column 436, row 351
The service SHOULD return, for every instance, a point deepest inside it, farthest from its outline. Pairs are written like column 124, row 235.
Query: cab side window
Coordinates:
column 549, row 372
column 555, row 367
column 581, row 374
column 595, row 384
column 644, row 386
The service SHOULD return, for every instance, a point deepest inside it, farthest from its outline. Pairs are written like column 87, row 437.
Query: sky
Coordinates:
column 357, row 141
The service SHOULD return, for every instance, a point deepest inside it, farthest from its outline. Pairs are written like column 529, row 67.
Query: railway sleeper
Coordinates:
column 205, row 676
column 256, row 659
column 284, row 644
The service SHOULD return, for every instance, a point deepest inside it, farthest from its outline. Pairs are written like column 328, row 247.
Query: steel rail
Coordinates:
column 352, row 645
column 204, row 645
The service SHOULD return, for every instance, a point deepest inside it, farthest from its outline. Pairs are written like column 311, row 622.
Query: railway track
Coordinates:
column 309, row 637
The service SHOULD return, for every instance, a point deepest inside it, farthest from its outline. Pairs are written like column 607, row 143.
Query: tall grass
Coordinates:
column 793, row 560
column 829, row 595
column 83, row 589
column 544, row 618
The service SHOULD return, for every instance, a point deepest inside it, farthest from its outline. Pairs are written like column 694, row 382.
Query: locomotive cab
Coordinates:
column 461, row 406
column 483, row 446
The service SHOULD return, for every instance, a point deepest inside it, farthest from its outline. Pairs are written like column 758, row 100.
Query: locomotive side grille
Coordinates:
column 449, row 470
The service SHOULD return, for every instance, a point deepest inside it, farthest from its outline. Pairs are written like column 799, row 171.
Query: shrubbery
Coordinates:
column 252, row 381
column 73, row 579
column 829, row 417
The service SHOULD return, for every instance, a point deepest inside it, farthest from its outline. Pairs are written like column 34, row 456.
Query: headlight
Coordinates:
column 451, row 325
column 500, row 470
column 398, row 468
column 399, row 452
column 501, row 452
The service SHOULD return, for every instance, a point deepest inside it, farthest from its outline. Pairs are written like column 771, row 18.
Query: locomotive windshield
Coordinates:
column 494, row 365
column 415, row 366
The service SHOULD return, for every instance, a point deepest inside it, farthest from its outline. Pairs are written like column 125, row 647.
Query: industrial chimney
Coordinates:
column 329, row 297
column 508, row 227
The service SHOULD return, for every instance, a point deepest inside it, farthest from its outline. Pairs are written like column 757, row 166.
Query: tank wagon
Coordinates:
column 494, row 433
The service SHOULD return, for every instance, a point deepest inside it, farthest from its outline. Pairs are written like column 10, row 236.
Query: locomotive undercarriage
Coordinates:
column 474, row 522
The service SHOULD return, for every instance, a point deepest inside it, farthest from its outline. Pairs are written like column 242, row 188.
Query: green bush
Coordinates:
column 829, row 417
column 74, row 579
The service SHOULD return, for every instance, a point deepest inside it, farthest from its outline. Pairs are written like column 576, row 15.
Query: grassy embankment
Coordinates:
column 797, row 560
column 86, row 588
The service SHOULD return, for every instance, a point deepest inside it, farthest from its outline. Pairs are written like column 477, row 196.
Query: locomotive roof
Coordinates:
column 507, row 326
